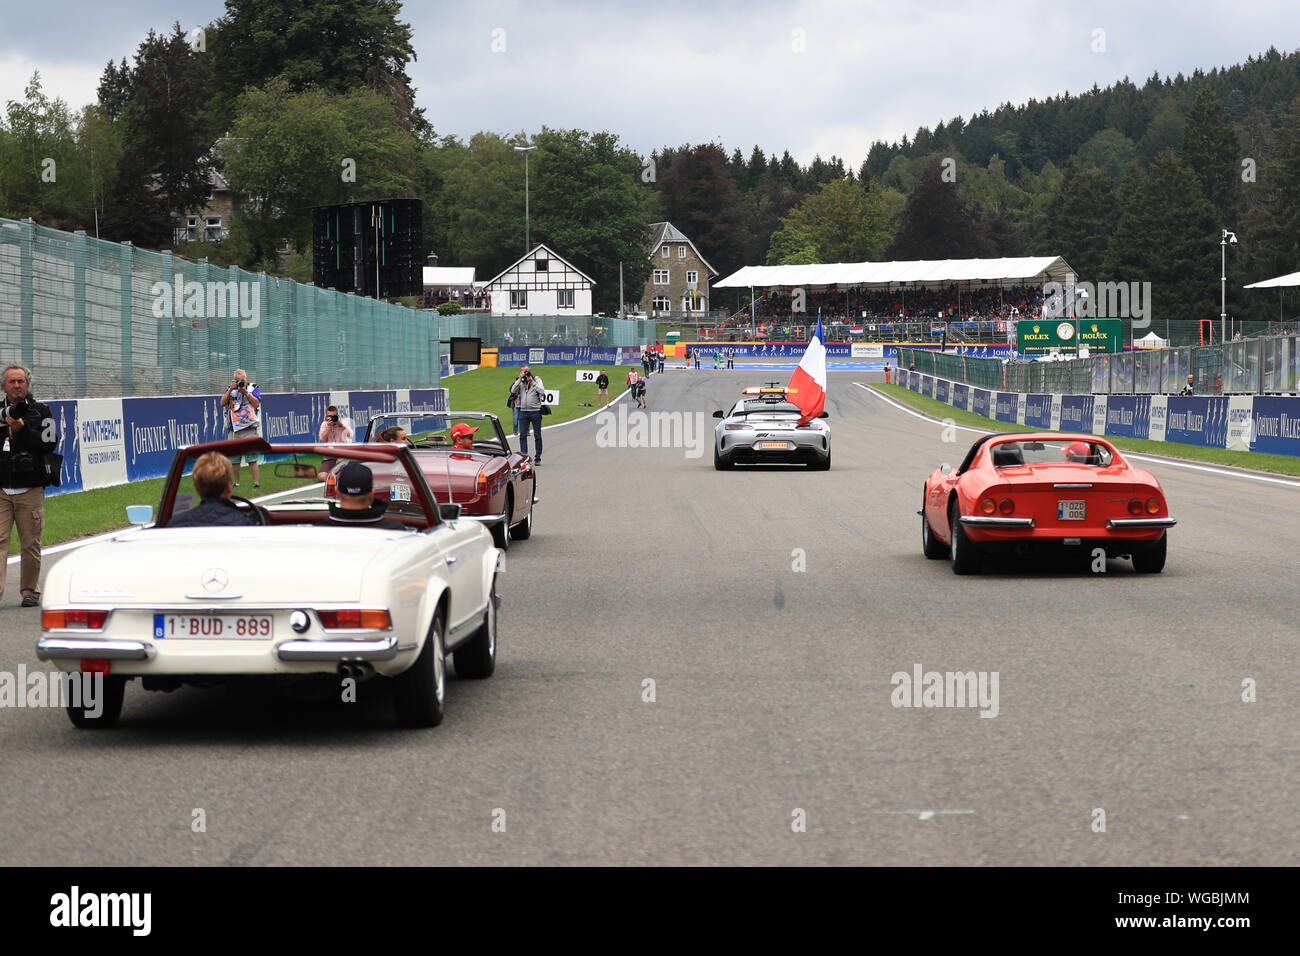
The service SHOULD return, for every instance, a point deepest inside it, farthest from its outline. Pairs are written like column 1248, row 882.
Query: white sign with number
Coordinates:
column 587, row 375
column 552, row 396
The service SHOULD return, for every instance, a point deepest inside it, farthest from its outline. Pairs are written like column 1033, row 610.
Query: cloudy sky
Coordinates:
column 824, row 77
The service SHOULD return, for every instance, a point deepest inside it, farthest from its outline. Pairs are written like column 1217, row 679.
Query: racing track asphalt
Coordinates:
column 772, row 691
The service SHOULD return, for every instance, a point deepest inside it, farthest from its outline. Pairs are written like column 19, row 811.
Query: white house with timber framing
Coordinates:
column 541, row 283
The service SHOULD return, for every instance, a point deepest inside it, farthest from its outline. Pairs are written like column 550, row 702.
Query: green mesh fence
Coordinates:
column 1263, row 365
column 506, row 330
column 95, row 319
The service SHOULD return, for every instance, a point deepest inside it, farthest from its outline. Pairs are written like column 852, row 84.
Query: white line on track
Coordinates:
column 1174, row 462
column 922, row 814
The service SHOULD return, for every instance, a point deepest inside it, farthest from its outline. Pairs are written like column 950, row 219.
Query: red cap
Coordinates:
column 459, row 431
column 1077, row 449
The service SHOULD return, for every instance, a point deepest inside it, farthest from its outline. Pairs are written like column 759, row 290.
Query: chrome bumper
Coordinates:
column 994, row 521
column 360, row 649
column 80, row 648
column 1120, row 524
column 486, row 519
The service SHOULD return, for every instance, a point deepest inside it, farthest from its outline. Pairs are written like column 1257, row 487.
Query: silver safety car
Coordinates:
column 763, row 427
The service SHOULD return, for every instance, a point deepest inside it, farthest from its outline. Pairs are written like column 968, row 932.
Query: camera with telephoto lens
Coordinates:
column 241, row 383
column 334, row 419
column 18, row 410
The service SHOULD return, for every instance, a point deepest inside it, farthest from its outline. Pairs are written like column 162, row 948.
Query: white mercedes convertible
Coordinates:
column 291, row 593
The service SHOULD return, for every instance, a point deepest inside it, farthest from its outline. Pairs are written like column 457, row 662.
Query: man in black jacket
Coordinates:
column 212, row 482
column 26, row 436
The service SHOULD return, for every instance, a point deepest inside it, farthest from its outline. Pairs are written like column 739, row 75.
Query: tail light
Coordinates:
column 988, row 506
column 95, row 665
column 90, row 620
column 1153, row 506
column 355, row 618
column 1134, row 506
column 1006, row 506
column 480, row 486
column 734, row 428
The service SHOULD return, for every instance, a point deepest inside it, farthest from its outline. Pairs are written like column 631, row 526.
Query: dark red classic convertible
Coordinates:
column 1027, row 492
column 490, row 482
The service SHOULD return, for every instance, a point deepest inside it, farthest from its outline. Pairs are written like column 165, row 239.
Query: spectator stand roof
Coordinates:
column 1290, row 279
column 921, row 272
column 453, row 276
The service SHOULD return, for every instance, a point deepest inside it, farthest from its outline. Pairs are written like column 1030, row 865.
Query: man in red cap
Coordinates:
column 462, row 437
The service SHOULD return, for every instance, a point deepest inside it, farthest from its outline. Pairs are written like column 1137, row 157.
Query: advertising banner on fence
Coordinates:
column 867, row 350
column 1099, row 414
column 1054, row 418
column 979, row 401
column 1006, row 406
column 432, row 400
column 95, row 443
column 1022, row 402
column 960, row 396
column 156, row 427
column 1158, row 417
column 1195, row 420
column 1076, row 414
column 941, row 390
column 1275, row 428
column 1241, row 410
column 1038, row 411
column 1128, row 416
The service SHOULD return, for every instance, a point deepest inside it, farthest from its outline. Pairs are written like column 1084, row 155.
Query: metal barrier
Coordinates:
column 504, row 331
column 1260, row 366
column 96, row 319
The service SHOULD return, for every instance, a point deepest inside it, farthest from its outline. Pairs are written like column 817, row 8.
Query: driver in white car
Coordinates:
column 212, row 482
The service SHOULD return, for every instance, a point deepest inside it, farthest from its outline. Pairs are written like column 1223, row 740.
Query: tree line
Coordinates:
column 1128, row 183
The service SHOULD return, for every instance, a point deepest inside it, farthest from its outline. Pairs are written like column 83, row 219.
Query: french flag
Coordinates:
column 808, row 383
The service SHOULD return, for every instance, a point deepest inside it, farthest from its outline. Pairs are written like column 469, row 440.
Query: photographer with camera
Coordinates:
column 243, row 400
column 335, row 429
column 27, row 438
column 530, row 399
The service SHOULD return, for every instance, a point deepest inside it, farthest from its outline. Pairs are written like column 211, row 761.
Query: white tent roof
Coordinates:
column 448, row 275
column 1152, row 340
column 920, row 271
column 1286, row 280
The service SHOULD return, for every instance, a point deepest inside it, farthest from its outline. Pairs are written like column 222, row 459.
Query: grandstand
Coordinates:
column 967, row 299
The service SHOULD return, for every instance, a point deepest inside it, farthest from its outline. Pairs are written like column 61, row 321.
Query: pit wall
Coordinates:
column 111, row 441
column 1262, row 423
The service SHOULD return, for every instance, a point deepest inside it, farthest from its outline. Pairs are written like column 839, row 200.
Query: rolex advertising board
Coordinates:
column 1038, row 336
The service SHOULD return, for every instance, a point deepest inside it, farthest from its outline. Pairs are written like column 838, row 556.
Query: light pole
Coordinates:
column 1228, row 237
column 528, row 244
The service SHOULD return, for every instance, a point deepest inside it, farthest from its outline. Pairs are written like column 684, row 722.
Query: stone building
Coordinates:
column 679, row 277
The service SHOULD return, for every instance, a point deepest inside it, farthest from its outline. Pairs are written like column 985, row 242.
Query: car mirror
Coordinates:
column 448, row 512
column 139, row 514
column 719, row 414
column 945, row 468
column 824, row 415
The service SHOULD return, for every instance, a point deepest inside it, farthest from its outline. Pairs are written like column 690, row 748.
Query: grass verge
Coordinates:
column 81, row 513
column 1256, row 461
column 486, row 390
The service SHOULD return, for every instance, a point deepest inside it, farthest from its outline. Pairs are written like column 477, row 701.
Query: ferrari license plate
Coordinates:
column 1071, row 510
column 217, row 627
column 774, row 445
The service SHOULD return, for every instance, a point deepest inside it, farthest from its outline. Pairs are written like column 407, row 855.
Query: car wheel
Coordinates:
column 720, row 463
column 501, row 532
column 524, row 529
column 965, row 557
column 420, row 690
column 114, row 688
column 477, row 657
column 931, row 546
column 822, row 465
column 1152, row 560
